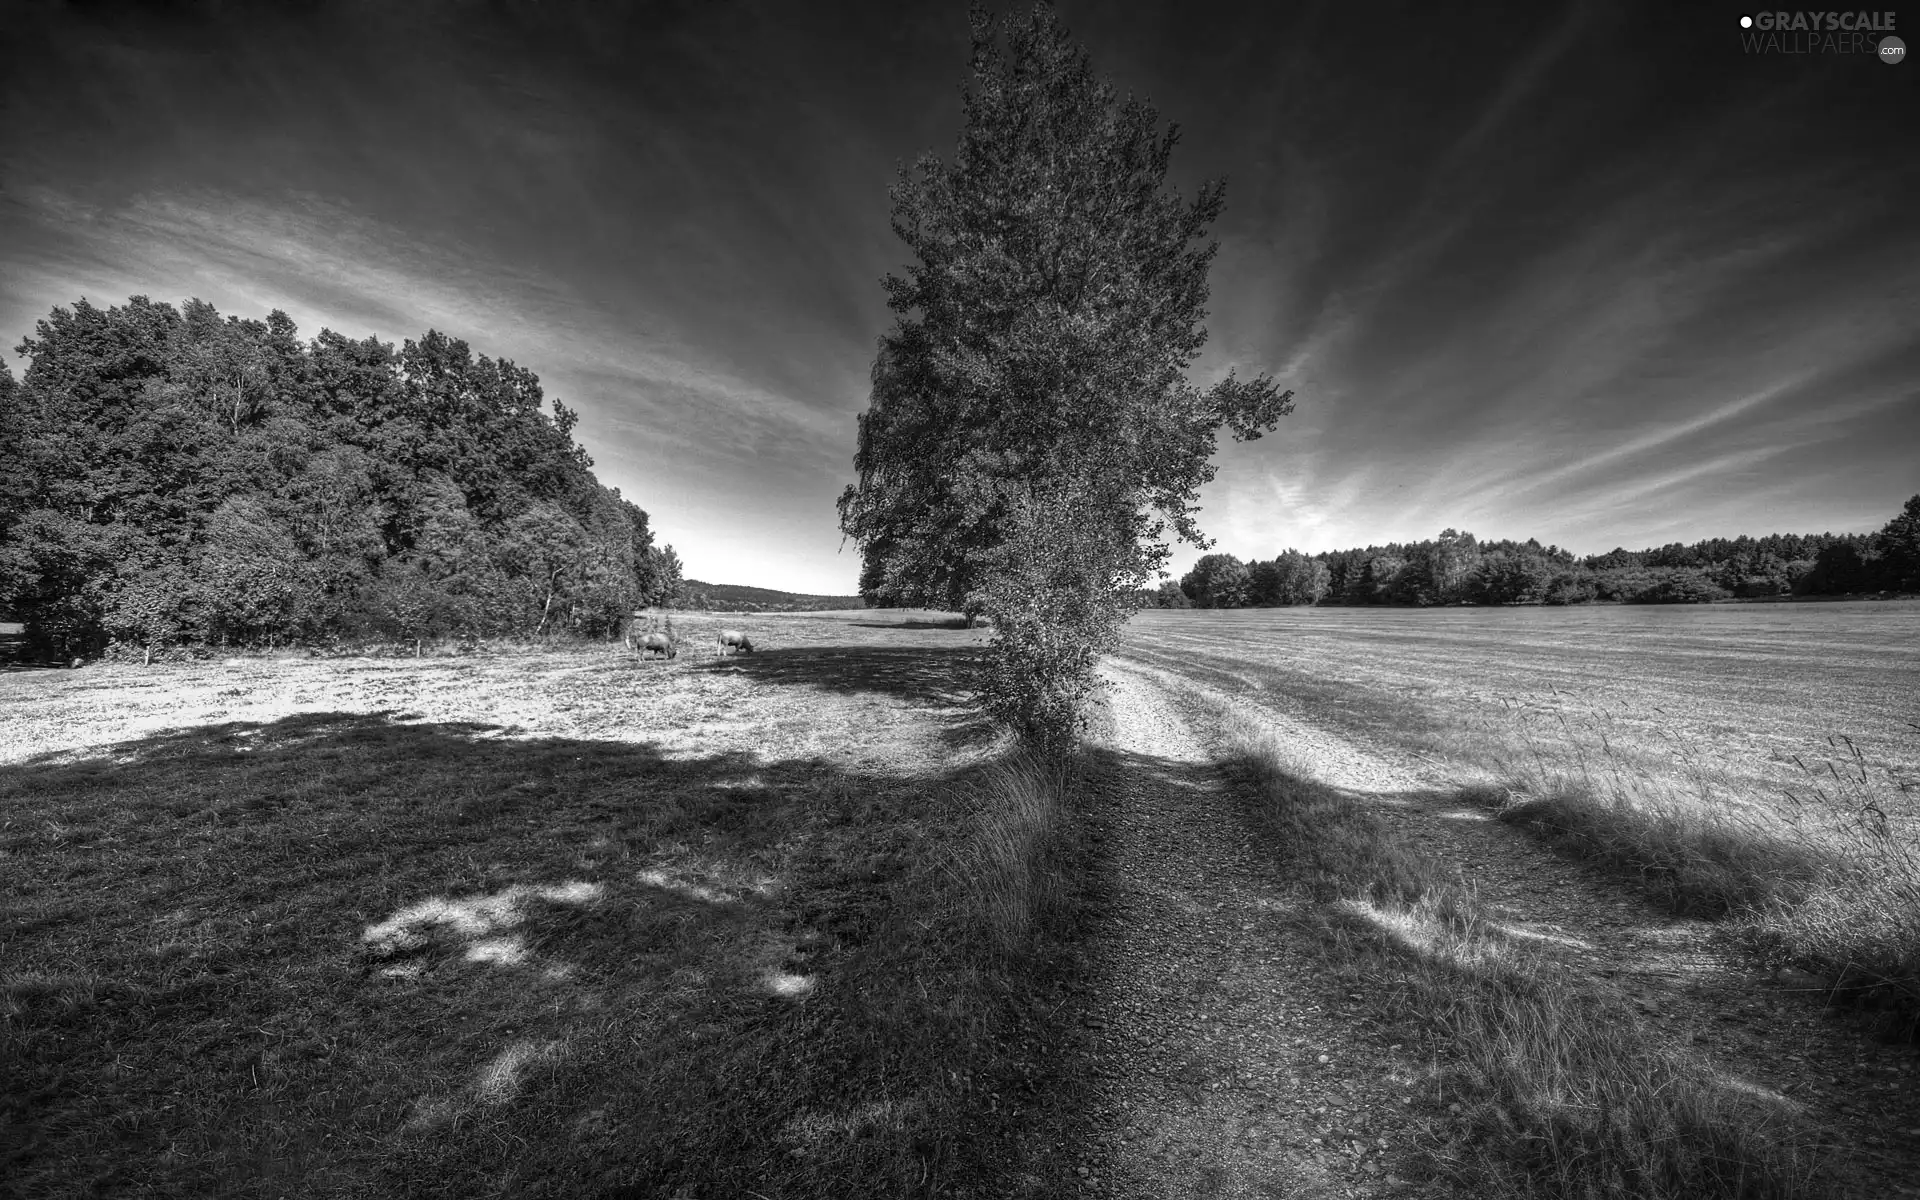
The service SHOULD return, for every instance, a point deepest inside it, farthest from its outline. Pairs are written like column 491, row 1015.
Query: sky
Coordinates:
column 1590, row 273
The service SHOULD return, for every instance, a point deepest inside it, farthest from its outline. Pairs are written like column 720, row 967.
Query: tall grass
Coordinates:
column 1823, row 873
column 1011, row 883
column 1551, row 1087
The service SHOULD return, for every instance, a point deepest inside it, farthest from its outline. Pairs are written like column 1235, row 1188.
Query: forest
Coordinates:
column 172, row 480
column 1457, row 568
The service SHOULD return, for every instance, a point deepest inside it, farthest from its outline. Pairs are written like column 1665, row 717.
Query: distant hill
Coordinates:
column 734, row 597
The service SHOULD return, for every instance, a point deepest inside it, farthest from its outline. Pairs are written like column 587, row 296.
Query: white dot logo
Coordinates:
column 1892, row 50
column 1746, row 22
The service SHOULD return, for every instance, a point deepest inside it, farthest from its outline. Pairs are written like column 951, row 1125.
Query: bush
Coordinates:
column 1679, row 585
column 406, row 605
column 151, row 611
column 1169, row 595
column 1055, row 610
column 1218, row 581
column 1569, row 587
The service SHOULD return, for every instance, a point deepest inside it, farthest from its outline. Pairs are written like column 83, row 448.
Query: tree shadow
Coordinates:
column 954, row 623
column 939, row 677
column 1081, row 1077
column 426, row 958
column 920, row 675
column 19, row 654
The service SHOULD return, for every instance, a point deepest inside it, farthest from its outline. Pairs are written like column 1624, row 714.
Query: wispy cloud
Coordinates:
column 1539, row 273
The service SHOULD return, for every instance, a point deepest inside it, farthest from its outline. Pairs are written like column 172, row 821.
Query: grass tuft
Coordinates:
column 1549, row 1087
column 1826, row 878
column 1010, row 883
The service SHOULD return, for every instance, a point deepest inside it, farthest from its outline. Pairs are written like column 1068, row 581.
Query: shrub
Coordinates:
column 1678, row 585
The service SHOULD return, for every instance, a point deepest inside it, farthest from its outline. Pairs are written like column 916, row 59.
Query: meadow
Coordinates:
column 1758, row 762
column 546, row 920
column 550, row 919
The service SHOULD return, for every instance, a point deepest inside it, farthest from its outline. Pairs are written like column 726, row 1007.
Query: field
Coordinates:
column 883, row 664
column 1746, row 685
column 1756, row 761
column 1750, row 770
column 551, row 920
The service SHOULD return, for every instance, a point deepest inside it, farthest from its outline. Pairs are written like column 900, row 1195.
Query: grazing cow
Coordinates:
column 660, row 642
column 739, row 641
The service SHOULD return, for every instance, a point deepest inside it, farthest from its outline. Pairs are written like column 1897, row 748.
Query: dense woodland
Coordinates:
column 1457, row 568
column 171, row 478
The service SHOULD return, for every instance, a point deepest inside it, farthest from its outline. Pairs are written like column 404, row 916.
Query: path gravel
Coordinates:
column 1224, row 1071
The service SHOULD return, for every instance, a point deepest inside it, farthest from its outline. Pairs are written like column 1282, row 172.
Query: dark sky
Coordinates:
column 1590, row 273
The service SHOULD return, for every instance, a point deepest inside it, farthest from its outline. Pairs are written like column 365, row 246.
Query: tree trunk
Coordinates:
column 546, row 609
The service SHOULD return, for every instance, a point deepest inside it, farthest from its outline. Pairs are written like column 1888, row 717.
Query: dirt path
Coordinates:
column 1212, row 1029
column 1223, row 1071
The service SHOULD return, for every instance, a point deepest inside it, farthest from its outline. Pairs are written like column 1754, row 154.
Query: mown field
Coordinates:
column 1745, row 684
column 1758, row 762
column 1736, row 678
column 547, row 921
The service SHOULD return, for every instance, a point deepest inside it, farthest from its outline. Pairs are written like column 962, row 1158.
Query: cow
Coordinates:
column 740, row 642
column 660, row 642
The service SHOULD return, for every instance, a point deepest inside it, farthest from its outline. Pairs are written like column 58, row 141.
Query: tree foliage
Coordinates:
column 175, row 477
column 1218, row 581
column 1031, row 398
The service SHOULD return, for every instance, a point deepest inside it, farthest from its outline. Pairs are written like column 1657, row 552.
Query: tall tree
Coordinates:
column 1301, row 580
column 1446, row 567
column 1218, row 581
column 1900, row 549
column 1036, row 372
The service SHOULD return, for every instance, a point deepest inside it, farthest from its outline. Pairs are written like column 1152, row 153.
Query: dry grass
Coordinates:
column 1010, row 877
column 1551, row 1088
column 1757, row 763
column 771, row 926
column 1823, row 874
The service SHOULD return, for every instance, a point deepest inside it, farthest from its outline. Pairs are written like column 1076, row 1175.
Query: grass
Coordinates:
column 1551, row 1088
column 1826, row 877
column 1698, row 760
column 355, row 953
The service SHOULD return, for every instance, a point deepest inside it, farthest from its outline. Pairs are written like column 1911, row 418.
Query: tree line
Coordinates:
column 1457, row 568
column 171, row 478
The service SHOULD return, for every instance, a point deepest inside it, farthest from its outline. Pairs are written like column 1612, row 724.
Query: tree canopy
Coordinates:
column 1032, row 440
column 175, row 477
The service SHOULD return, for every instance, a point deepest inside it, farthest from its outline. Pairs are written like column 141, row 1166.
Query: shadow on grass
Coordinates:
column 919, row 676
column 1068, row 1097
column 955, row 623
column 339, row 952
column 1558, row 1088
